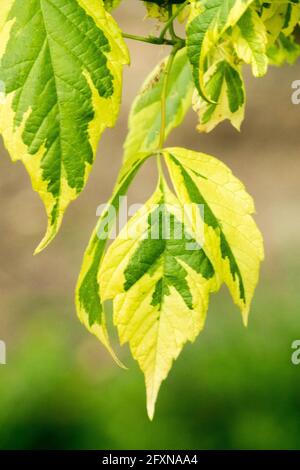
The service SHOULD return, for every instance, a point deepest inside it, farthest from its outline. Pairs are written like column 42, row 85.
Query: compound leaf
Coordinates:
column 159, row 278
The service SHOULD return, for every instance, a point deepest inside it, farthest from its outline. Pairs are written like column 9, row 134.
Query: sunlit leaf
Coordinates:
column 204, row 31
column 61, row 65
column 250, row 42
column 232, row 240
column 160, row 279
column 88, row 300
column 225, row 88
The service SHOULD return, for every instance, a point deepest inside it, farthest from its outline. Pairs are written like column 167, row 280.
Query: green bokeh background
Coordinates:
column 234, row 388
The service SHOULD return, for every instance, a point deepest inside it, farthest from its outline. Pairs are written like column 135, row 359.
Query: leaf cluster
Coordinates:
column 61, row 64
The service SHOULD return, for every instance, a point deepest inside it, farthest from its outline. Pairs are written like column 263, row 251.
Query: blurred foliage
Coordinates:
column 235, row 388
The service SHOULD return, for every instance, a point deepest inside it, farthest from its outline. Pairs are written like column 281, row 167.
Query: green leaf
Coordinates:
column 249, row 38
column 292, row 17
column 88, row 301
column 232, row 240
column 164, row 264
column 160, row 279
column 225, row 88
column 280, row 17
column 285, row 50
column 61, row 63
column 145, row 115
column 205, row 30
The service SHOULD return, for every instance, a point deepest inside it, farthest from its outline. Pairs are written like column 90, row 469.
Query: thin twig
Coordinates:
column 172, row 18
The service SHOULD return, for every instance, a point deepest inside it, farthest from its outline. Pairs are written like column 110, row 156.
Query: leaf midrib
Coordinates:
column 57, row 197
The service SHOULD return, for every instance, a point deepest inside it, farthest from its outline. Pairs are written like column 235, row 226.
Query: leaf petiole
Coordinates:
column 154, row 40
column 164, row 91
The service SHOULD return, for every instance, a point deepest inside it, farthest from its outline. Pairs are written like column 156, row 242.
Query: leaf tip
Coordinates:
column 40, row 248
column 51, row 232
column 98, row 330
column 151, row 392
column 245, row 316
column 150, row 409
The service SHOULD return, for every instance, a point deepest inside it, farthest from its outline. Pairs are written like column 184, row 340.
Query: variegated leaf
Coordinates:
column 249, row 38
column 232, row 240
column 225, row 88
column 61, row 64
column 205, row 30
column 160, row 279
column 88, row 300
column 145, row 115
column 280, row 17
column 285, row 50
